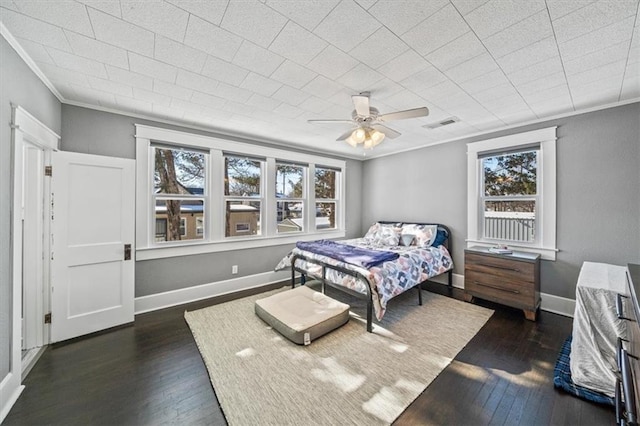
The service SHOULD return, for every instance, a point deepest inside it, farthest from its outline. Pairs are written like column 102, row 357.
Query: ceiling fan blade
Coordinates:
column 361, row 104
column 345, row 135
column 401, row 115
column 388, row 132
column 330, row 121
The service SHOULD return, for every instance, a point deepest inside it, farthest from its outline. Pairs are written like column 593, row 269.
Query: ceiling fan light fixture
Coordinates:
column 368, row 143
column 359, row 135
column 351, row 141
column 376, row 137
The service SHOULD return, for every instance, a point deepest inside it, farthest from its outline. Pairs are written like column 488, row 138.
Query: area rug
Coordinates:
column 348, row 376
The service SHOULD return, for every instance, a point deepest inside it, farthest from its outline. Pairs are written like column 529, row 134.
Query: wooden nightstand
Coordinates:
column 511, row 279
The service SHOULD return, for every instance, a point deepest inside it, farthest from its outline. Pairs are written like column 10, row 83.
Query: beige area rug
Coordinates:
column 348, row 376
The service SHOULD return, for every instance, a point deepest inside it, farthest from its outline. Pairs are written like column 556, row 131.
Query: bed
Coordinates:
column 412, row 253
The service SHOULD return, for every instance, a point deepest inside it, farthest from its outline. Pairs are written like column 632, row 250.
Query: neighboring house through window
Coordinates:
column 326, row 183
column 512, row 192
column 195, row 192
column 290, row 204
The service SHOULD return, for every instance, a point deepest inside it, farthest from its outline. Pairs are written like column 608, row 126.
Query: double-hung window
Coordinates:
column 243, row 195
column 290, row 199
column 512, row 192
column 200, row 194
column 326, row 192
column 179, row 193
column 509, row 196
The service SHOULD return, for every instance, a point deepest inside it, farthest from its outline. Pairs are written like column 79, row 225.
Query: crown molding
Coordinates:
column 515, row 126
column 30, row 62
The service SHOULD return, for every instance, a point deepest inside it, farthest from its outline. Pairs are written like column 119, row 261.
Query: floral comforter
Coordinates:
column 386, row 280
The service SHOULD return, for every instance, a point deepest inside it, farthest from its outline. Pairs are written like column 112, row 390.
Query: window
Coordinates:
column 290, row 197
column 243, row 195
column 511, row 192
column 509, row 196
column 199, row 194
column 179, row 177
column 326, row 197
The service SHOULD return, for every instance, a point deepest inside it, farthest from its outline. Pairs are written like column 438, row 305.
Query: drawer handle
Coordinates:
column 627, row 389
column 618, row 401
column 496, row 287
column 506, row 268
column 619, row 309
column 620, row 348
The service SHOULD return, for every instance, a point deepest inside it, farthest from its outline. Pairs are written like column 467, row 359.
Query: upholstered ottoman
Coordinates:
column 301, row 314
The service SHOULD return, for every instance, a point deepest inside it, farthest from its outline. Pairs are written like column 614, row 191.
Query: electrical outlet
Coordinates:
column 234, row 269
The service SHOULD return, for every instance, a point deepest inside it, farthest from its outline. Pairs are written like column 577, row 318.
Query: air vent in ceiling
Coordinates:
column 445, row 122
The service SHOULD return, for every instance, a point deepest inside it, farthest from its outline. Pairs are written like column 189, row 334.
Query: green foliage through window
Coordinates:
column 511, row 174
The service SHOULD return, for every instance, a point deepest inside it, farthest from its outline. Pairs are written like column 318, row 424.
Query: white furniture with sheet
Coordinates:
column 596, row 327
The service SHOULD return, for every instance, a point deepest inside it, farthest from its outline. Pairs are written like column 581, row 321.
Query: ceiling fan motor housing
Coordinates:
column 365, row 119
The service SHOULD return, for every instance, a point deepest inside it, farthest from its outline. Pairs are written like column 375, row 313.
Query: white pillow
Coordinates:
column 386, row 234
column 406, row 239
column 424, row 235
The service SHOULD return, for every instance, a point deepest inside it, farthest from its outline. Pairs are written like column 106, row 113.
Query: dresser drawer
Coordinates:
column 512, row 292
column 506, row 268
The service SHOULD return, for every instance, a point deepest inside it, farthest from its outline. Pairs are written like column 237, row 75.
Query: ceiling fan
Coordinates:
column 369, row 129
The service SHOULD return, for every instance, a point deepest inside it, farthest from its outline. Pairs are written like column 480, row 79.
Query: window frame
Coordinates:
column 214, row 239
column 228, row 198
column 335, row 200
column 162, row 196
column 302, row 200
column 545, row 244
column 482, row 198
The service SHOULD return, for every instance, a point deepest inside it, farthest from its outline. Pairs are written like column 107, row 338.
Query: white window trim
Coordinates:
column 337, row 201
column 145, row 245
column 546, row 246
column 303, row 200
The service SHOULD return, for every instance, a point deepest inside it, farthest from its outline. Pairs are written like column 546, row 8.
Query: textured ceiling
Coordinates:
column 262, row 68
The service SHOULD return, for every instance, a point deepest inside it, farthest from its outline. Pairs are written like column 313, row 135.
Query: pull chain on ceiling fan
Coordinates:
column 370, row 131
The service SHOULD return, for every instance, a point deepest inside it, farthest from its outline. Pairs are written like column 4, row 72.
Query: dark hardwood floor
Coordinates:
column 151, row 373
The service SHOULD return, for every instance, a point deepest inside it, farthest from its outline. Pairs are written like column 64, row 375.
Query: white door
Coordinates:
column 93, row 220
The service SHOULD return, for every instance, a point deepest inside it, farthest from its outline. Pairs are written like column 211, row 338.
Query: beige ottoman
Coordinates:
column 302, row 315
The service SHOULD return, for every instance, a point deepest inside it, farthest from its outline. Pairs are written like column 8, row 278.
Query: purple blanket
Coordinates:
column 346, row 253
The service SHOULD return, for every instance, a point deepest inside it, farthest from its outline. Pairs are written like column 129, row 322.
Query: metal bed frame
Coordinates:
column 357, row 275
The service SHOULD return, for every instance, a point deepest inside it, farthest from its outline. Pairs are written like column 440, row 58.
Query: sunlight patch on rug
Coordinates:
column 338, row 375
column 348, row 376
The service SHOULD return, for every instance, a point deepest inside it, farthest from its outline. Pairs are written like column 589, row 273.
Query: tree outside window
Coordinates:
column 509, row 198
column 289, row 195
column 326, row 197
column 243, row 195
column 179, row 187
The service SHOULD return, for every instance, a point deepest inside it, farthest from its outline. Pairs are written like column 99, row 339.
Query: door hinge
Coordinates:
column 127, row 252
column 48, row 170
column 47, row 318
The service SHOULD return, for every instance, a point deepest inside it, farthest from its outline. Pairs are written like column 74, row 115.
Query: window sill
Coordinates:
column 187, row 249
column 546, row 253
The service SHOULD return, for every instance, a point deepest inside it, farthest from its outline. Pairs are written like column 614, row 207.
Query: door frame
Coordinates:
column 35, row 294
column 25, row 129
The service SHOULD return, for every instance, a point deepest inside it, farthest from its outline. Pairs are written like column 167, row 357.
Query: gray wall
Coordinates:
column 18, row 85
column 598, row 192
column 96, row 132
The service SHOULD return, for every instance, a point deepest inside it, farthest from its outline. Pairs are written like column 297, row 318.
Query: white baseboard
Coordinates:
column 457, row 280
column 191, row 294
column 557, row 305
column 9, row 396
column 30, row 359
column 550, row 303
